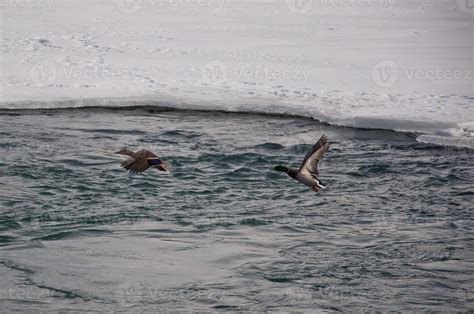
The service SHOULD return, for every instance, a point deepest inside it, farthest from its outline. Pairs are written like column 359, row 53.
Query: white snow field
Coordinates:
column 405, row 65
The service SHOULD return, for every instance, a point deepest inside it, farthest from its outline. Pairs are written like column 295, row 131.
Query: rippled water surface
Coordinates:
column 222, row 231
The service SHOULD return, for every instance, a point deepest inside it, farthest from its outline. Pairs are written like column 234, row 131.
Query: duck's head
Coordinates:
column 124, row 151
column 281, row 168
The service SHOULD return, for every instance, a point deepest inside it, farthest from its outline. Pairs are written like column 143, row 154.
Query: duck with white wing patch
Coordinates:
column 308, row 172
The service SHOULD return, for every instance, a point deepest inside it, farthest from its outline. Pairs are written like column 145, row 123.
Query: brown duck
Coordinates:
column 141, row 160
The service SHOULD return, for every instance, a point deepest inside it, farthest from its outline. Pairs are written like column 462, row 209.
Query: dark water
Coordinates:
column 393, row 230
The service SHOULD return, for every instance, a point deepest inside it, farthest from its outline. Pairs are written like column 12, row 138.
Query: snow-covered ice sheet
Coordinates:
column 396, row 64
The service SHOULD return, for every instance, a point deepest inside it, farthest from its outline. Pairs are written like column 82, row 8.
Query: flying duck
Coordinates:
column 309, row 168
column 141, row 160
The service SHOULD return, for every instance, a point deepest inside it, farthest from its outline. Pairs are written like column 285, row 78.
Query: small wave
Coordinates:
column 270, row 146
column 467, row 142
column 179, row 134
column 279, row 279
column 71, row 234
column 253, row 222
column 467, row 193
column 5, row 239
column 373, row 170
column 113, row 131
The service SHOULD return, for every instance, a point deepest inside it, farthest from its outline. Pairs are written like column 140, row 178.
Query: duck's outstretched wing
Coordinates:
column 137, row 163
column 142, row 160
column 311, row 160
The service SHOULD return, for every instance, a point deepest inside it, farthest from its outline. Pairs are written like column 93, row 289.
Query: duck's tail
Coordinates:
column 320, row 184
column 158, row 164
